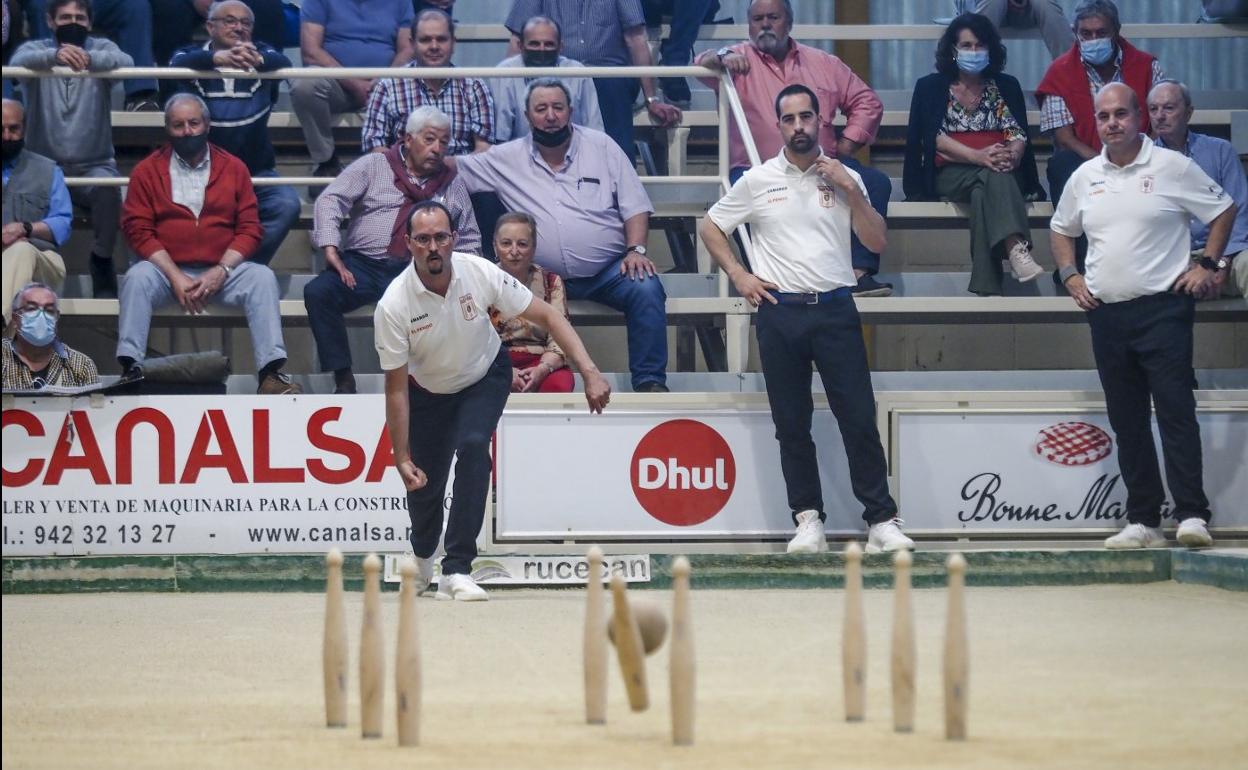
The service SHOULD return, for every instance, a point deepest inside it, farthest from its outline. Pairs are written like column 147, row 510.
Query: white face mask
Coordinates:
column 1096, row 52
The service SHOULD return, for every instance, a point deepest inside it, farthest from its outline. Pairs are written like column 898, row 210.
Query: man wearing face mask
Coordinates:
column 372, row 197
column 37, row 212
column 1100, row 55
column 35, row 358
column 70, row 121
column 541, row 43
column 190, row 216
column 593, row 219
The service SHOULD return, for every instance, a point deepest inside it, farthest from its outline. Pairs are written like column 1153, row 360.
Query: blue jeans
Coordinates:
column 615, row 100
column 279, row 211
column 129, row 22
column 327, row 298
column 827, row 335
column 644, row 305
column 879, row 190
column 454, row 425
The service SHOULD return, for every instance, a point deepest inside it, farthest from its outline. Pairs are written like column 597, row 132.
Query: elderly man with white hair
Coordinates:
column 373, row 197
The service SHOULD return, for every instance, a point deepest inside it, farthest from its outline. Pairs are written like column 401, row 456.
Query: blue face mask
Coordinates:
column 38, row 328
column 1096, row 52
column 973, row 62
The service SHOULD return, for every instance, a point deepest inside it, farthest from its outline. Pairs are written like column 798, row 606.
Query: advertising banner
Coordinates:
column 540, row 570
column 1047, row 471
column 653, row 475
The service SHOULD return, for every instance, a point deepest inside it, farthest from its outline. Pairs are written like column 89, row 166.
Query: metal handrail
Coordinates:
column 306, row 73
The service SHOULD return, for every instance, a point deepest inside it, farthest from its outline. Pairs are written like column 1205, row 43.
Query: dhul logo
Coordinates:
column 683, row 472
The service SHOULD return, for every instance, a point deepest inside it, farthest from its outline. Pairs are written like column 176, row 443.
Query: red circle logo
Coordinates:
column 683, row 472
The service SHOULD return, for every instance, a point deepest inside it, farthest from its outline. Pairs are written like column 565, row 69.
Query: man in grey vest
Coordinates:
column 70, row 121
column 37, row 212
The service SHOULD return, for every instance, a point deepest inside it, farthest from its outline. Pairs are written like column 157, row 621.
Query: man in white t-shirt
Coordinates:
column 1134, row 203
column 448, row 376
column 803, row 207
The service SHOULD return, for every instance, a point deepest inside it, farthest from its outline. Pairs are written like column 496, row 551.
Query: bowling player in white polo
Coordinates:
column 1135, row 202
column 447, row 380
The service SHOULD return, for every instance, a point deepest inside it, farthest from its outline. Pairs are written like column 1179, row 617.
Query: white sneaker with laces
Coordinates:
column 1194, row 533
column 887, row 537
column 424, row 574
column 809, row 537
column 1136, row 536
column 461, row 588
column 1024, row 267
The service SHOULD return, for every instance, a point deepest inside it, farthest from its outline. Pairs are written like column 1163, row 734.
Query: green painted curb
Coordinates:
column 306, row 573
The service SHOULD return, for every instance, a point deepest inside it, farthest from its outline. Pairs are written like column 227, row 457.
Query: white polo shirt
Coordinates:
column 446, row 343
column 1137, row 219
column 800, row 225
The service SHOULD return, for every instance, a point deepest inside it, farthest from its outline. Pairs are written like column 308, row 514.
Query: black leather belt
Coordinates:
column 810, row 298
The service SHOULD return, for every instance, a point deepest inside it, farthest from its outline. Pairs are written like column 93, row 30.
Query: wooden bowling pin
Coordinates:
column 334, row 648
column 372, row 652
column 854, row 638
column 595, row 646
column 628, row 647
column 903, row 663
column 957, row 662
column 407, row 660
column 681, row 665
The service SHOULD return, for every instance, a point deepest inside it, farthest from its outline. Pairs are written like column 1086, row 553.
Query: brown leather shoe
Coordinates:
column 278, row 384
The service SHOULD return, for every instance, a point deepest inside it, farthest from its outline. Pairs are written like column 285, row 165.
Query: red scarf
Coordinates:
column 1068, row 79
column 414, row 193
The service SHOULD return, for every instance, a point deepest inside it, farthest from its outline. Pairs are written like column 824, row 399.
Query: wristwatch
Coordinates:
column 226, row 268
column 29, row 228
column 1221, row 263
column 652, row 100
column 639, row 249
column 721, row 53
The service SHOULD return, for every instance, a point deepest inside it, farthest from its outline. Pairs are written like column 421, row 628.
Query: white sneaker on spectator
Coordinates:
column 1024, row 267
column 1194, row 533
column 461, row 588
column 887, row 537
column 1136, row 536
column 809, row 537
column 424, row 574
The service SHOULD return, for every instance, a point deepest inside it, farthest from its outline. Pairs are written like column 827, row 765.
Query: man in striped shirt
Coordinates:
column 466, row 101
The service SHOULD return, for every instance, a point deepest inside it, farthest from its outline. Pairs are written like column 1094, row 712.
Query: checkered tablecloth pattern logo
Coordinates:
column 1073, row 443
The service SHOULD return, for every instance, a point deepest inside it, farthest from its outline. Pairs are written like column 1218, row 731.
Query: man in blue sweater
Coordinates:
column 240, row 109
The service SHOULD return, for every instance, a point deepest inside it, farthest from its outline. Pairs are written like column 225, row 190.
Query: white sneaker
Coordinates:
column 1194, row 533
column 424, row 574
column 887, row 537
column 461, row 588
column 1137, row 536
column 809, row 537
column 1024, row 267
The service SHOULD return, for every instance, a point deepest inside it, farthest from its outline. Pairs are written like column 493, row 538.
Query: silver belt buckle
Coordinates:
column 812, row 298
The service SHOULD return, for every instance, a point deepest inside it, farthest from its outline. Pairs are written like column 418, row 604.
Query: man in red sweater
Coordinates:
column 191, row 217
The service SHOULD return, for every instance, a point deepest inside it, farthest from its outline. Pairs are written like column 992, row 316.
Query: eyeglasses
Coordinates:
column 232, row 21
column 424, row 241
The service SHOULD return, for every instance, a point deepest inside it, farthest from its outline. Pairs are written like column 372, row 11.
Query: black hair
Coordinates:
column 424, row 206
column 85, row 5
column 792, row 90
column 982, row 28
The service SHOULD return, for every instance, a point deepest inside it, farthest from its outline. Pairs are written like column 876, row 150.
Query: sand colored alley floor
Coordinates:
column 1104, row 676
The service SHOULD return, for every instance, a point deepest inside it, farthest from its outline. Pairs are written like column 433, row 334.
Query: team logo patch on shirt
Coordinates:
column 827, row 196
column 1147, row 184
column 468, row 307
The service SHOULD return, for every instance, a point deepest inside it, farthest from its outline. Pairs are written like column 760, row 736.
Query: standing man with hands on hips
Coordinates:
column 802, row 207
column 447, row 380
column 1134, row 203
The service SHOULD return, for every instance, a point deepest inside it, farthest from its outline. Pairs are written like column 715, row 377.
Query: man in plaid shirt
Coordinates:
column 466, row 101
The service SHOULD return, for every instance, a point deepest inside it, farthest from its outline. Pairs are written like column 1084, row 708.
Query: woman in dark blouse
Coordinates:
column 968, row 143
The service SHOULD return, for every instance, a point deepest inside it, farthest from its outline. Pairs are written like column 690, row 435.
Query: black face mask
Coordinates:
column 189, row 147
column 11, row 149
column 71, row 34
column 539, row 58
column 552, row 138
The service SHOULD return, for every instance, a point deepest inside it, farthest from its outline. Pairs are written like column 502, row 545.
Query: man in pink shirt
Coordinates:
column 771, row 60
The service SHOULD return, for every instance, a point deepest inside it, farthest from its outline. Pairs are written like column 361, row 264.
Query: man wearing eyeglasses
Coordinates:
column 35, row 358
column 240, row 110
column 448, row 376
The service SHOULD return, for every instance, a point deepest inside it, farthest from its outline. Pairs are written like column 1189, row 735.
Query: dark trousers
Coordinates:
column 327, row 299
column 1143, row 350
column 879, row 190
column 1061, row 166
column 455, row 425
column 615, row 101
column 828, row 335
column 676, row 50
